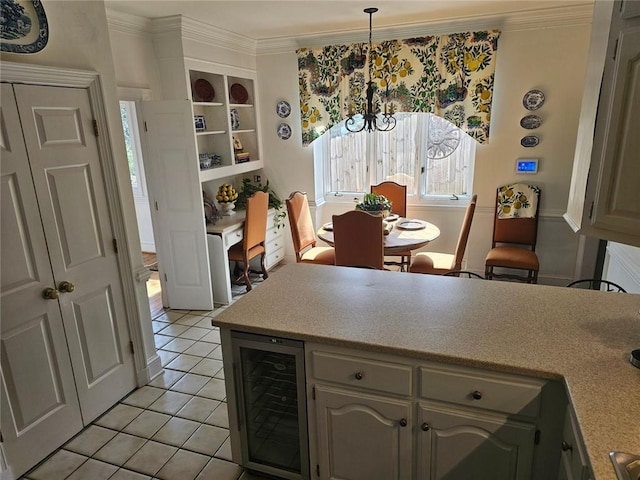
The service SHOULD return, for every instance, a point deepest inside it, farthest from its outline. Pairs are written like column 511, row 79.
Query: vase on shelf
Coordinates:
column 226, row 208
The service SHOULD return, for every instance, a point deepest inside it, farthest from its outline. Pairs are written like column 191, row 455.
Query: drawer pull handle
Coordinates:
column 359, row 375
column 566, row 446
column 425, row 427
column 476, row 395
column 403, row 422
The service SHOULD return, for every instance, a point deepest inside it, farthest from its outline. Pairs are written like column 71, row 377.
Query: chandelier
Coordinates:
column 373, row 120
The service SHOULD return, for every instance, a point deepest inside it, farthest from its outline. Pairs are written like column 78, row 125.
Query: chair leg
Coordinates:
column 245, row 274
column 488, row 273
column 265, row 274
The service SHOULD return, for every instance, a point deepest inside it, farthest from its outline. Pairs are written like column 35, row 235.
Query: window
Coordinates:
column 132, row 144
column 428, row 154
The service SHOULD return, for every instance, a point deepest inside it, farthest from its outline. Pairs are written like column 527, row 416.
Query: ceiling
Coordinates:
column 268, row 19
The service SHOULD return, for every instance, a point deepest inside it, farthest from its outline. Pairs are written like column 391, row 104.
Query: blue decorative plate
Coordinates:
column 283, row 109
column 530, row 122
column 533, row 99
column 24, row 26
column 284, row 131
column 529, row 141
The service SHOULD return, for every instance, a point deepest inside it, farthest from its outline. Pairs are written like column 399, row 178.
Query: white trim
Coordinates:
column 134, row 296
column 580, row 14
column 134, row 94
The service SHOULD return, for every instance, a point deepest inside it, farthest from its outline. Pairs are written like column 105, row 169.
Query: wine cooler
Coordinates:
column 272, row 414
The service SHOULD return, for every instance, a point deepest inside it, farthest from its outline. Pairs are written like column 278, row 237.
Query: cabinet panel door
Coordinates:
column 67, row 174
column 455, row 444
column 39, row 408
column 174, row 186
column 616, row 142
column 362, row 436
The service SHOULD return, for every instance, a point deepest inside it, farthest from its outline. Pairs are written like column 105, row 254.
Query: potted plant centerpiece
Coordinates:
column 374, row 204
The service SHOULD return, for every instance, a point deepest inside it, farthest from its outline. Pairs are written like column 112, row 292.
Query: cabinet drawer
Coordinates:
column 273, row 258
column 233, row 237
column 362, row 372
column 273, row 232
column 502, row 394
column 274, row 245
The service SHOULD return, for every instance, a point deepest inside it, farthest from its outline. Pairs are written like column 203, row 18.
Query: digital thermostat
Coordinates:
column 527, row 165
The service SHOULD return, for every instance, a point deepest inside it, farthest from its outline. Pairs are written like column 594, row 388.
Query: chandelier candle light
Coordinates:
column 372, row 119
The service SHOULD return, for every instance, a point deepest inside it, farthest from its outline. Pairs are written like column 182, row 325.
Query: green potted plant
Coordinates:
column 374, row 204
column 248, row 189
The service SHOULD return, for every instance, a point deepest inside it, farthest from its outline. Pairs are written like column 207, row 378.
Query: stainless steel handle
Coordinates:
column 425, row 427
column 403, row 422
column 67, row 287
column 476, row 395
column 359, row 375
column 50, row 293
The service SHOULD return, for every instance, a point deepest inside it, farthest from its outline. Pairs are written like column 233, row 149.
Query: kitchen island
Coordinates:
column 577, row 338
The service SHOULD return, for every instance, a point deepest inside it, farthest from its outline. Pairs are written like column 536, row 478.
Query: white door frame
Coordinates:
column 133, row 273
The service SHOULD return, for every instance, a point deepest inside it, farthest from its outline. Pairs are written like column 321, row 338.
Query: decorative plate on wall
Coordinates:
column 204, row 90
column 284, row 131
column 283, row 109
column 533, row 99
column 238, row 93
column 24, row 26
column 529, row 141
column 530, row 122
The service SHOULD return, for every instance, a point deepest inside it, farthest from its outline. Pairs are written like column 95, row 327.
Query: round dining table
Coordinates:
column 406, row 234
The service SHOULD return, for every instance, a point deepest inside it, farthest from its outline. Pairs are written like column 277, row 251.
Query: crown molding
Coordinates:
column 195, row 30
column 127, row 23
column 581, row 14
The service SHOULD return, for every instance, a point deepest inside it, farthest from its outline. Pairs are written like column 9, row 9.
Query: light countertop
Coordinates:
column 580, row 337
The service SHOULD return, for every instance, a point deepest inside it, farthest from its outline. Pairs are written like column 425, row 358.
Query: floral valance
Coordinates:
column 447, row 75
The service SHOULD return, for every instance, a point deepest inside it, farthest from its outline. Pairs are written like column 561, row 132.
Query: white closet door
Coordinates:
column 40, row 409
column 66, row 168
column 174, row 187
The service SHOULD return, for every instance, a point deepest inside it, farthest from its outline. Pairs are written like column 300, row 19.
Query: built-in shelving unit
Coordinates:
column 221, row 133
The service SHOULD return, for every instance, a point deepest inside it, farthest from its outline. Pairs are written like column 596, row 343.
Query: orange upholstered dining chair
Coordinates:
column 359, row 240
column 515, row 233
column 397, row 195
column 303, row 234
column 440, row 263
column 255, row 232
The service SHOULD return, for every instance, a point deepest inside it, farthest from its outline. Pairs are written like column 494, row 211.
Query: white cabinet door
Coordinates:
column 615, row 176
column 175, row 192
column 455, row 444
column 39, row 409
column 363, row 436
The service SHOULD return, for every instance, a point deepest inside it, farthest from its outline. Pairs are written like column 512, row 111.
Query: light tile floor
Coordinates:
column 174, row 428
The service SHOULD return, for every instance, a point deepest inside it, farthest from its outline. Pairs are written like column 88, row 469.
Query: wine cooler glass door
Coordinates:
column 272, row 404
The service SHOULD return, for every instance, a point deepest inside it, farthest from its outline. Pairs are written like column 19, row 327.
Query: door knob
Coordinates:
column 67, row 287
column 50, row 293
column 403, row 422
column 425, row 427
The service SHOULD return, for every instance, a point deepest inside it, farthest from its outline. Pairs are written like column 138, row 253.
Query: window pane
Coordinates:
column 128, row 143
column 429, row 155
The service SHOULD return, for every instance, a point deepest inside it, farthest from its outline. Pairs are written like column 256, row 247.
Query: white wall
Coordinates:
column 622, row 266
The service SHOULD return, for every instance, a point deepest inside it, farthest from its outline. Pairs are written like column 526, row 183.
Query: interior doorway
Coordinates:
column 140, row 191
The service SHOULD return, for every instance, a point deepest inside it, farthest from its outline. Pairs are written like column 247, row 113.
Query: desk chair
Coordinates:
column 595, row 284
column 255, row 232
column 397, row 195
column 463, row 274
column 358, row 240
column 303, row 234
column 436, row 263
column 515, row 232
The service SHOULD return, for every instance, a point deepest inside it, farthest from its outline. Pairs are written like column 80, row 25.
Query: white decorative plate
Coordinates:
column 328, row 226
column 410, row 225
column 284, row 131
column 533, row 99
column 283, row 109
